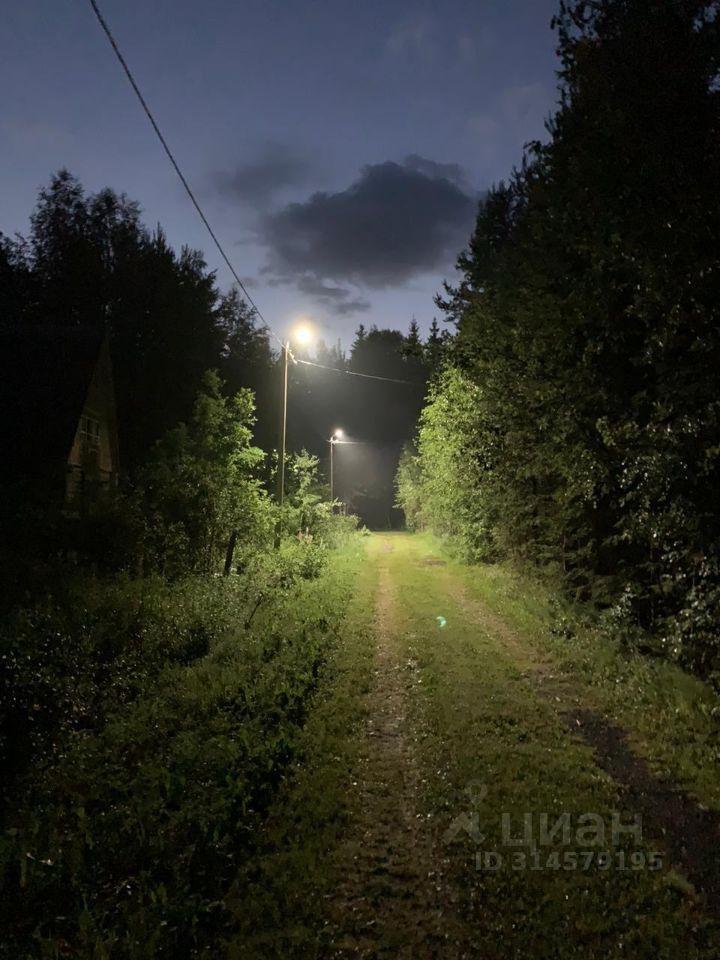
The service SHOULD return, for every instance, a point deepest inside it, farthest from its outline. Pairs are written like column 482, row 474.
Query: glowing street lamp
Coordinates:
column 335, row 438
column 303, row 335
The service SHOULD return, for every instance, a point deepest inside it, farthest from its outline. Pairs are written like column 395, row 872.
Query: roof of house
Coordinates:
column 45, row 373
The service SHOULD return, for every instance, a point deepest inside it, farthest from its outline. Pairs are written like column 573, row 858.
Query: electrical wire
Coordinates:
column 176, row 167
column 354, row 373
column 143, row 103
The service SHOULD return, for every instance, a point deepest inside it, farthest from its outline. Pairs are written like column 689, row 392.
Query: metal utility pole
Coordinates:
column 335, row 438
column 281, row 459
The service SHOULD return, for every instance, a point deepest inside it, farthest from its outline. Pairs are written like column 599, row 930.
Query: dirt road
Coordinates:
column 480, row 779
column 497, row 807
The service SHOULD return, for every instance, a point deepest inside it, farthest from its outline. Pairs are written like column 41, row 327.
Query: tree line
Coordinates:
column 576, row 425
column 90, row 262
column 198, row 392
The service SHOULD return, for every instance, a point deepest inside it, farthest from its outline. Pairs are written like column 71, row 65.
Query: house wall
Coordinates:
column 92, row 464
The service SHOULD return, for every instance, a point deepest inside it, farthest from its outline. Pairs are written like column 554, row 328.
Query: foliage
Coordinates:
column 279, row 898
column 587, row 318
column 377, row 414
column 247, row 362
column 89, row 261
column 305, row 492
column 149, row 726
column 200, row 487
column 407, row 487
column 446, row 486
column 69, row 660
column 309, row 515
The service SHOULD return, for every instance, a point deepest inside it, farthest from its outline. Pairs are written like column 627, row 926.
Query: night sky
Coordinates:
column 338, row 147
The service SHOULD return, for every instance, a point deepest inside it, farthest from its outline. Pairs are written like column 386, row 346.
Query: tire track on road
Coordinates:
column 689, row 833
column 393, row 898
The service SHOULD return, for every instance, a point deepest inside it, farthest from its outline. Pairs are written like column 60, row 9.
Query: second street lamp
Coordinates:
column 335, row 438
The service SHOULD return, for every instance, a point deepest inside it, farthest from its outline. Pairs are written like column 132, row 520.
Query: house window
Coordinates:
column 90, row 433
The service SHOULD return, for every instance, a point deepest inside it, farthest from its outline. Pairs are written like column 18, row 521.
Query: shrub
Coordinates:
column 126, row 839
column 200, row 488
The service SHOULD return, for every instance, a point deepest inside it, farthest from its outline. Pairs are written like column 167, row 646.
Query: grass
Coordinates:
column 277, row 901
column 205, row 818
column 494, row 748
column 672, row 718
column 126, row 843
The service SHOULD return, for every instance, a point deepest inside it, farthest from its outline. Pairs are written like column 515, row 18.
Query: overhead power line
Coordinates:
column 206, row 222
column 354, row 373
column 176, row 167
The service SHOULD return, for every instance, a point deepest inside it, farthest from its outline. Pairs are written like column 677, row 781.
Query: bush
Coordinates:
column 66, row 663
column 200, row 488
column 694, row 634
column 308, row 514
column 158, row 760
column 446, row 486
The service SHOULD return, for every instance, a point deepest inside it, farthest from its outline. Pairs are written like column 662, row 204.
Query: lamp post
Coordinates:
column 303, row 336
column 335, row 438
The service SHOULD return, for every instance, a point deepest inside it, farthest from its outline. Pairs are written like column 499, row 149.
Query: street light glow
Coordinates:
column 303, row 335
column 338, row 434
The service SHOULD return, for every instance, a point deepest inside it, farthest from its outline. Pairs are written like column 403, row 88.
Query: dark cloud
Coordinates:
column 343, row 301
column 339, row 298
column 256, row 182
column 438, row 171
column 395, row 222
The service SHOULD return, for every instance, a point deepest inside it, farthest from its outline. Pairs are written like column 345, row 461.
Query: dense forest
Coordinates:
column 577, row 427
column 90, row 263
